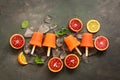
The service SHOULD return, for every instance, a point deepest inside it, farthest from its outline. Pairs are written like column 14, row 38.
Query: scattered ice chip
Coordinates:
column 48, row 19
column 59, row 42
column 79, row 36
column 27, row 48
column 43, row 58
column 56, row 52
column 63, row 55
column 29, row 32
column 85, row 58
column 44, row 28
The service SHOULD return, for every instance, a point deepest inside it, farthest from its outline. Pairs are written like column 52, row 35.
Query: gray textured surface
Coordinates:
column 13, row 12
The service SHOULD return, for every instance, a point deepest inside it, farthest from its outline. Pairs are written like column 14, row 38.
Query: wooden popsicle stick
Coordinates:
column 33, row 50
column 86, row 51
column 48, row 52
column 78, row 51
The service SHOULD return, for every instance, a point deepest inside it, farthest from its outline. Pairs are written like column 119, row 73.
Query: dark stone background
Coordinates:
column 104, row 67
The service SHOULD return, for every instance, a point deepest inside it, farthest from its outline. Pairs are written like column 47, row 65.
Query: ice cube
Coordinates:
column 59, row 42
column 79, row 36
column 55, row 52
column 85, row 58
column 43, row 58
column 63, row 55
column 44, row 28
column 29, row 32
column 27, row 48
column 48, row 19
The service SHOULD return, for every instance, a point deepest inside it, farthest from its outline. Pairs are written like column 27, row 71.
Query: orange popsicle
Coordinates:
column 50, row 42
column 36, row 40
column 72, row 43
column 87, row 41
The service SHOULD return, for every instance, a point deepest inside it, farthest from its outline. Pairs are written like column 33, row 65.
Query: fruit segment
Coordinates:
column 55, row 64
column 72, row 43
column 36, row 40
column 22, row 59
column 87, row 41
column 101, row 43
column 93, row 26
column 50, row 42
column 71, row 61
column 75, row 24
column 17, row 41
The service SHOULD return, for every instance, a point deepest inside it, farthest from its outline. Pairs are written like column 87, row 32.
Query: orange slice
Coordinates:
column 22, row 59
column 17, row 41
column 101, row 43
column 93, row 26
column 75, row 25
column 55, row 64
column 71, row 61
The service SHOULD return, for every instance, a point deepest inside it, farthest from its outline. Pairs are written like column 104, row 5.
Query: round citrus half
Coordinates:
column 22, row 59
column 17, row 41
column 55, row 64
column 101, row 43
column 93, row 26
column 71, row 61
column 75, row 24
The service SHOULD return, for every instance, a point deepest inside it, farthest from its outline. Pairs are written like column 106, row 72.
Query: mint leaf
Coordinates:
column 25, row 24
column 38, row 60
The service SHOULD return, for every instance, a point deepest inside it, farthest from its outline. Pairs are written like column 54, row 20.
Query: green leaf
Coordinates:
column 61, row 32
column 38, row 60
column 64, row 31
column 25, row 24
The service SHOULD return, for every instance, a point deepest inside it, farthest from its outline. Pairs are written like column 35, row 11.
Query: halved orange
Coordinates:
column 101, row 43
column 75, row 25
column 55, row 64
column 22, row 59
column 71, row 61
column 17, row 41
column 93, row 26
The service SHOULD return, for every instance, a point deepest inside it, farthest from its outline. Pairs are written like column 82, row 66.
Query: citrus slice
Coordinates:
column 55, row 64
column 22, row 59
column 101, row 43
column 17, row 41
column 71, row 61
column 93, row 26
column 75, row 24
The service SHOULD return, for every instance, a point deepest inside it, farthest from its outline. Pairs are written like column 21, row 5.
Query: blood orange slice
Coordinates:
column 55, row 64
column 17, row 41
column 75, row 24
column 71, row 61
column 101, row 43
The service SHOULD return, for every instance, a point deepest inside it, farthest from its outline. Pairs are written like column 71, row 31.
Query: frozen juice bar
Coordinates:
column 50, row 42
column 36, row 40
column 72, row 43
column 87, row 41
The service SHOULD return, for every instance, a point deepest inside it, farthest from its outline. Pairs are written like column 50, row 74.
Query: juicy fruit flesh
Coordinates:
column 71, row 61
column 101, row 43
column 17, row 41
column 55, row 64
column 93, row 26
column 22, row 59
column 75, row 24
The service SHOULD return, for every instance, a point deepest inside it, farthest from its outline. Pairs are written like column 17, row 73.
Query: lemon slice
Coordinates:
column 93, row 26
column 22, row 59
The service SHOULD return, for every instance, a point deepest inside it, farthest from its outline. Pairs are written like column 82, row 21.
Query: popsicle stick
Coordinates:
column 33, row 50
column 78, row 51
column 86, row 51
column 48, row 52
